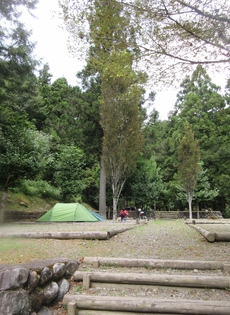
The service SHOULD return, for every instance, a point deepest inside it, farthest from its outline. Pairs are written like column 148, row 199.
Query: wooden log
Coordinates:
column 210, row 236
column 226, row 268
column 190, row 281
column 117, row 231
column 100, row 235
column 99, row 312
column 155, row 263
column 223, row 237
column 209, row 221
column 148, row 305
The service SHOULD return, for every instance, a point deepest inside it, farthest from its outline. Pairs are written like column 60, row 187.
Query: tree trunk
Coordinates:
column 198, row 210
column 189, row 199
column 102, row 197
column 114, row 207
column 3, row 206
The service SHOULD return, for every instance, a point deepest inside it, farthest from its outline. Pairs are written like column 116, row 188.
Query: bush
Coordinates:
column 39, row 188
column 226, row 213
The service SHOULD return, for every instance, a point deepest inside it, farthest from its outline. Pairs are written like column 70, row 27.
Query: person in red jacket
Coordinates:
column 124, row 214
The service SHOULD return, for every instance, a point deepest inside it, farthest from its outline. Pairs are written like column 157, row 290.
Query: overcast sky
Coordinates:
column 52, row 48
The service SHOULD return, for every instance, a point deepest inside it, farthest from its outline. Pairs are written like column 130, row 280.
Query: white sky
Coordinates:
column 51, row 41
column 52, row 48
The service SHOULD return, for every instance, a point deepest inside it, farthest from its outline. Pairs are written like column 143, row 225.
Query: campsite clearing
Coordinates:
column 161, row 239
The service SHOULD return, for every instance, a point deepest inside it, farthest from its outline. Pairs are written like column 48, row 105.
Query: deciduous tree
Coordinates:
column 188, row 164
column 120, row 120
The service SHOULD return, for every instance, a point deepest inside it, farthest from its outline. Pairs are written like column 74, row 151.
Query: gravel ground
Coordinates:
column 163, row 239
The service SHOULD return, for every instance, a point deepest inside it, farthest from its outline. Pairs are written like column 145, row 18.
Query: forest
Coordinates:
column 96, row 142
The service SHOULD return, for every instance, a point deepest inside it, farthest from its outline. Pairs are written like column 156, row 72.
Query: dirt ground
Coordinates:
column 160, row 239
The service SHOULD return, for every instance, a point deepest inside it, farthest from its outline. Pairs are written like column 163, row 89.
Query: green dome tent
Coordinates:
column 68, row 212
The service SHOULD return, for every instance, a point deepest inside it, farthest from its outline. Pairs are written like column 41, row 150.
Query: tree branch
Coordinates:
column 210, row 16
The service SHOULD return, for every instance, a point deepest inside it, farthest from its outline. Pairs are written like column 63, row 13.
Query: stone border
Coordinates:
column 27, row 288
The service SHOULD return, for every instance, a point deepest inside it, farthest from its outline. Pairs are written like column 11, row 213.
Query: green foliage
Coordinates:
column 69, row 173
column 146, row 184
column 188, row 164
column 204, row 192
column 188, row 160
column 120, row 120
column 17, row 78
column 38, row 188
column 24, row 153
column 92, row 184
column 88, row 116
column 60, row 103
column 226, row 213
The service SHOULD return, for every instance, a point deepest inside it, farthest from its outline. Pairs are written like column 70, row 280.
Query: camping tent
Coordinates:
column 68, row 212
column 97, row 215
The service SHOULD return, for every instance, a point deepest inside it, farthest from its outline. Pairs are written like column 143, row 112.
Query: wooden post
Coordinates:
column 71, row 308
column 86, row 281
column 227, row 268
column 96, row 264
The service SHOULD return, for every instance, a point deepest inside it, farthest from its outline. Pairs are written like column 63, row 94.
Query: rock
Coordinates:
column 24, row 204
column 71, row 267
column 14, row 303
column 33, row 281
column 46, row 275
column 37, row 298
column 44, row 311
column 63, row 289
column 50, row 292
column 13, row 279
column 59, row 270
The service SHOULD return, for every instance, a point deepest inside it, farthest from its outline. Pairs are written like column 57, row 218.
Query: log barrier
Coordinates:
column 59, row 235
column 89, row 235
column 145, row 305
column 189, row 281
column 99, row 312
column 212, row 236
column 155, row 263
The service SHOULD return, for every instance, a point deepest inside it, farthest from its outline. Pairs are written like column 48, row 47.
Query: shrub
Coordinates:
column 39, row 188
